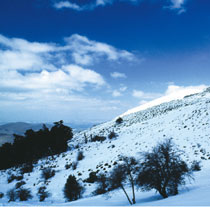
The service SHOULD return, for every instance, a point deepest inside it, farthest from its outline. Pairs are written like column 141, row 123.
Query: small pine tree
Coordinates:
column 24, row 194
column 47, row 173
column 80, row 156
column 72, row 189
column 12, row 195
column 42, row 193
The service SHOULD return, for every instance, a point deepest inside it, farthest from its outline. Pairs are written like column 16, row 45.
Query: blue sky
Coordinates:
column 91, row 60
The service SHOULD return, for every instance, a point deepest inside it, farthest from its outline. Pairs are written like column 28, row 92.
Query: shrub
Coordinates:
column 163, row 170
column 1, row 195
column 97, row 138
column 27, row 168
column 12, row 195
column 24, row 194
column 42, row 193
column 67, row 166
column 92, row 178
column 19, row 177
column 74, row 165
column 80, row 156
column 19, row 184
column 195, row 166
column 72, row 189
column 102, row 184
column 119, row 120
column 11, row 178
column 48, row 173
column 112, row 135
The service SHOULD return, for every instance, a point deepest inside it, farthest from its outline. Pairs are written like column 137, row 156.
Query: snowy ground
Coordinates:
column 186, row 121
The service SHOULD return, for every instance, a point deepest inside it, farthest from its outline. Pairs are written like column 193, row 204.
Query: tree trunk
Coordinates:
column 133, row 190
column 126, row 194
column 163, row 193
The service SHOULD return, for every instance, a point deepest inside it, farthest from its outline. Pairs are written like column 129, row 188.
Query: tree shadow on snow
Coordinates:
column 149, row 199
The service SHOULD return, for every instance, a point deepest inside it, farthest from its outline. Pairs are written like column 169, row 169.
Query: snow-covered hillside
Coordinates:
column 186, row 121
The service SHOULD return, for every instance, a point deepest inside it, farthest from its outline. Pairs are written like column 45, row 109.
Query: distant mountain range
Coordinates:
column 7, row 130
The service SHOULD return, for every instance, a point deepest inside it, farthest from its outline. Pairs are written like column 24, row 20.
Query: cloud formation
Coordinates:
column 86, row 52
column 174, row 4
column 119, row 92
column 37, row 74
column 118, row 75
column 177, row 5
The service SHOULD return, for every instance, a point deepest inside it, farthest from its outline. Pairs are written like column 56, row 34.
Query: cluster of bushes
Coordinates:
column 35, row 145
column 22, row 194
column 14, row 177
column 47, row 173
column 97, row 138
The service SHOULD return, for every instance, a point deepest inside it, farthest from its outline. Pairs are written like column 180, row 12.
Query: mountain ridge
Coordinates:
column 186, row 121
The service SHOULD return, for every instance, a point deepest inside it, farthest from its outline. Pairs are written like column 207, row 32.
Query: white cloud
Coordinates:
column 116, row 93
column 42, row 76
column 118, row 75
column 67, row 4
column 20, row 54
column 119, row 92
column 68, row 78
column 86, row 52
column 177, row 5
column 174, row 4
column 143, row 95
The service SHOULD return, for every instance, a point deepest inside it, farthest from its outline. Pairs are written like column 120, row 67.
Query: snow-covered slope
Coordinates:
column 186, row 121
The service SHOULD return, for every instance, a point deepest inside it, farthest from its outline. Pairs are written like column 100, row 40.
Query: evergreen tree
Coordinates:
column 72, row 189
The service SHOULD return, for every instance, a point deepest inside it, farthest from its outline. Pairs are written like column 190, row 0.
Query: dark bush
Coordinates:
column 24, row 194
column 102, row 184
column 19, row 184
column 11, row 178
column 112, row 135
column 19, row 177
column 27, row 168
column 163, row 170
column 42, row 193
column 1, row 195
column 48, row 173
column 97, row 138
column 74, row 165
column 119, row 120
column 12, row 195
column 80, row 156
column 72, row 189
column 92, row 178
column 67, row 166
column 195, row 166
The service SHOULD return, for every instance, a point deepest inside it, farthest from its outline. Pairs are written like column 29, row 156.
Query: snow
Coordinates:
column 186, row 121
column 173, row 93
